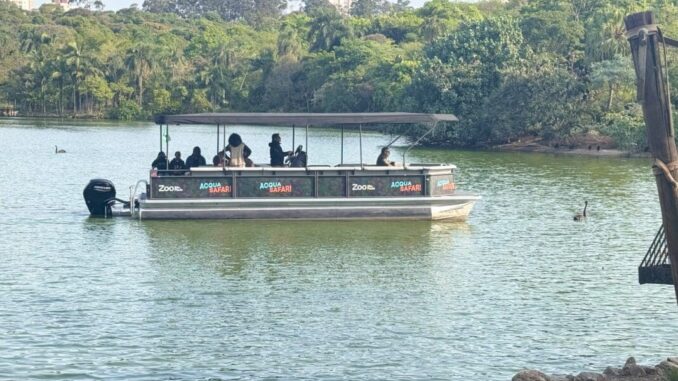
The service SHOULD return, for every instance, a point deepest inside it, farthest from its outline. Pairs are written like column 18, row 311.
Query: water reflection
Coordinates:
column 231, row 247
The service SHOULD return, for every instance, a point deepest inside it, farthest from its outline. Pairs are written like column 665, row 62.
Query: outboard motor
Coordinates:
column 99, row 195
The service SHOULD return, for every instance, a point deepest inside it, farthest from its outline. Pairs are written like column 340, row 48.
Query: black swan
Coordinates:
column 581, row 216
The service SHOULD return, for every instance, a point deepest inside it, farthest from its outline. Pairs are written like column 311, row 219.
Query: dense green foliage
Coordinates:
column 553, row 70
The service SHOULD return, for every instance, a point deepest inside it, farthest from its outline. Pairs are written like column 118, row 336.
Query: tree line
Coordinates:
column 545, row 69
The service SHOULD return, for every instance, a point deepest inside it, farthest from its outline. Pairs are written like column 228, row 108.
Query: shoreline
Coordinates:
column 540, row 148
column 527, row 147
column 666, row 370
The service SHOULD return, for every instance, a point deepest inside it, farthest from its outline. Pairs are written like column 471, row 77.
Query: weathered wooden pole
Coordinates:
column 652, row 87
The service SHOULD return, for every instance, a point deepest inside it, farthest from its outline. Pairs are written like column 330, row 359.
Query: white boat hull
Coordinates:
column 451, row 208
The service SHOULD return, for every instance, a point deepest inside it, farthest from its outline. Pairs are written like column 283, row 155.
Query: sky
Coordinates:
column 114, row 5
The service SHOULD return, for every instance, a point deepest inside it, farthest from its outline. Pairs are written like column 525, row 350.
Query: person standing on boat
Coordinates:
column 196, row 159
column 383, row 161
column 160, row 163
column 239, row 151
column 277, row 153
column 177, row 165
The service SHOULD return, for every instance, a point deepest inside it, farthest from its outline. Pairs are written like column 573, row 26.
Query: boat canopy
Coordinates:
column 300, row 119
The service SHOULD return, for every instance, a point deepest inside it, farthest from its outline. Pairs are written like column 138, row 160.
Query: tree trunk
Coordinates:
column 141, row 89
column 61, row 97
column 609, row 98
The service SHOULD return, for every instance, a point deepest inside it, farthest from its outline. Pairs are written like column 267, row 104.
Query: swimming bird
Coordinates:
column 57, row 150
column 581, row 216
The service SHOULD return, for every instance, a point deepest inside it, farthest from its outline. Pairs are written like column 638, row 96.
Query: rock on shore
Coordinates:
column 664, row 371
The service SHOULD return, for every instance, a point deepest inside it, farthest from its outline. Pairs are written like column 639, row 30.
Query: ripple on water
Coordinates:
column 519, row 285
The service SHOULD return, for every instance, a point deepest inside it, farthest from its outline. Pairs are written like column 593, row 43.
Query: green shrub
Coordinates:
column 627, row 128
column 127, row 110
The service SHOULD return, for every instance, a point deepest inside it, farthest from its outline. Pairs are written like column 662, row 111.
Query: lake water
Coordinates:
column 518, row 285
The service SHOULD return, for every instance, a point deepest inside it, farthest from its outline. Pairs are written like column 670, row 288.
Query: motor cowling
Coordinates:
column 99, row 196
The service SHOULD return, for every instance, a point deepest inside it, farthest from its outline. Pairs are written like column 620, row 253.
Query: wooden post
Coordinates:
column 647, row 53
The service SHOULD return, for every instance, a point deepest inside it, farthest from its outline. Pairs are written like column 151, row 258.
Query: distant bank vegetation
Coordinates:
column 551, row 70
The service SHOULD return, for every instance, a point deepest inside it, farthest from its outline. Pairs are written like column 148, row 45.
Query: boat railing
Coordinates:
column 133, row 195
column 267, row 168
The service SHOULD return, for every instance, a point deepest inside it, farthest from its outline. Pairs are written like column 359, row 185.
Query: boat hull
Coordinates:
column 450, row 208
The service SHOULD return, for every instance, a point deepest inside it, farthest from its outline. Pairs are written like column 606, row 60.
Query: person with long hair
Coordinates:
column 196, row 159
column 382, row 160
column 239, row 151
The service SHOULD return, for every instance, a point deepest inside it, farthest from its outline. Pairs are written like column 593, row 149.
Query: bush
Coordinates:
column 627, row 128
column 127, row 110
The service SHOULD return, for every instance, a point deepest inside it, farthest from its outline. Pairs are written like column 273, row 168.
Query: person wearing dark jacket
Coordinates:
column 196, row 159
column 177, row 164
column 160, row 162
column 277, row 153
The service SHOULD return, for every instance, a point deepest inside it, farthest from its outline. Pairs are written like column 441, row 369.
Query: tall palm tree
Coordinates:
column 73, row 60
column 606, row 32
column 326, row 31
column 288, row 43
column 59, row 71
column 141, row 60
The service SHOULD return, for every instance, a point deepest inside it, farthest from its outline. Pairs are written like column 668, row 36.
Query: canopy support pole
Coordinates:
column 417, row 141
column 307, row 146
column 223, row 161
column 167, row 139
column 218, row 130
column 361, row 146
column 342, row 144
column 293, row 136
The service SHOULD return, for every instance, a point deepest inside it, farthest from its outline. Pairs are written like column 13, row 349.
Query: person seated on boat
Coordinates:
column 177, row 165
column 196, row 159
column 160, row 163
column 299, row 158
column 382, row 160
column 239, row 151
column 277, row 153
column 219, row 160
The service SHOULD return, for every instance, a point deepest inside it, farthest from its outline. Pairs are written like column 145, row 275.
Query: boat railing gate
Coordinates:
column 133, row 195
column 656, row 266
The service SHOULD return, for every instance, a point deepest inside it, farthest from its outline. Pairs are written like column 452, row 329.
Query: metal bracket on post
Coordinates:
column 641, row 34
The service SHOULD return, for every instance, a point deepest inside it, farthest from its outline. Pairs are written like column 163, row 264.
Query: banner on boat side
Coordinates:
column 275, row 186
column 191, row 187
column 442, row 185
column 170, row 187
column 375, row 186
column 332, row 186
